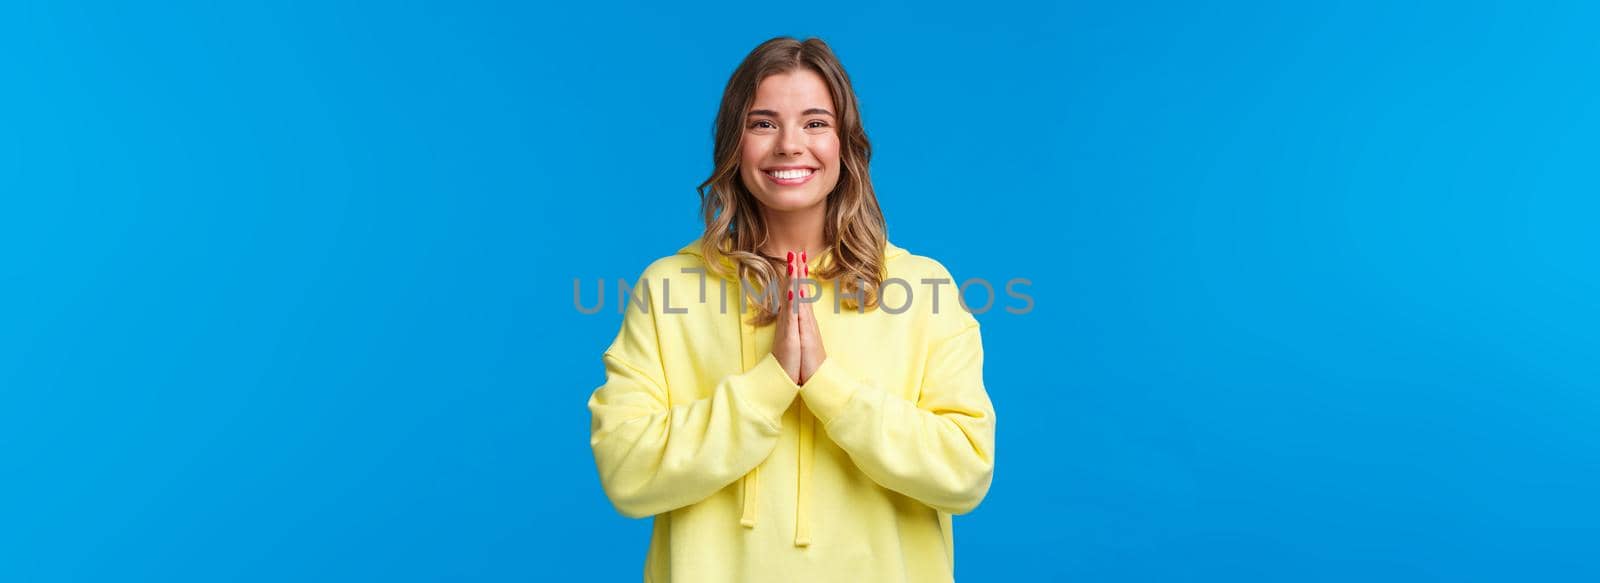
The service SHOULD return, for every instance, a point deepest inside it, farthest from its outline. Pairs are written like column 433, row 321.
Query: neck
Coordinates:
column 799, row 230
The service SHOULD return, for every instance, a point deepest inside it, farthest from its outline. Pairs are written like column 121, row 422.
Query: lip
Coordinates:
column 790, row 181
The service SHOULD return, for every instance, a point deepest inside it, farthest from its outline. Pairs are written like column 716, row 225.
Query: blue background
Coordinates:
column 287, row 288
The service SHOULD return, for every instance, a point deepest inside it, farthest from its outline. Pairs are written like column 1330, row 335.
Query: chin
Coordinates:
column 793, row 201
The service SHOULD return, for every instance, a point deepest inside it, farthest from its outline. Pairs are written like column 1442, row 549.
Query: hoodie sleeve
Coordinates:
column 655, row 455
column 938, row 450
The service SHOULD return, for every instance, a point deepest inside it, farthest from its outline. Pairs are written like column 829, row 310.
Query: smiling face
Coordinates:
column 790, row 154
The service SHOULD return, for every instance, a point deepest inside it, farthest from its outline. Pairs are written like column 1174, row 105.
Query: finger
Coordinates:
column 789, row 315
column 805, row 268
column 798, row 325
column 785, row 314
column 799, row 283
column 806, row 293
column 788, row 279
column 805, row 273
column 808, row 320
column 800, row 315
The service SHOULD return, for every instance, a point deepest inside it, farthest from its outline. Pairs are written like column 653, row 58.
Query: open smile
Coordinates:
column 790, row 176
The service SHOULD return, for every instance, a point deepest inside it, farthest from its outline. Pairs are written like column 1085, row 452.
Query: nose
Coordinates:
column 791, row 143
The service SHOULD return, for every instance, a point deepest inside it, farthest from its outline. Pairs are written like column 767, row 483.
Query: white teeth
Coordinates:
column 790, row 174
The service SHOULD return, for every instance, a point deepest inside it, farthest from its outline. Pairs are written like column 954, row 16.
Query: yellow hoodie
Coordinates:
column 699, row 426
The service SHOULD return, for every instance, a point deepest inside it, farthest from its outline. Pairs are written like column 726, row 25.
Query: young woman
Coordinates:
column 826, row 433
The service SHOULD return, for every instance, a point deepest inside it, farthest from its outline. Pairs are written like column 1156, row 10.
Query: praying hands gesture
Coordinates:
column 796, row 341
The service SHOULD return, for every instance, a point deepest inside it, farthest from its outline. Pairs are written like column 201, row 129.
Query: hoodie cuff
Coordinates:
column 770, row 389
column 827, row 391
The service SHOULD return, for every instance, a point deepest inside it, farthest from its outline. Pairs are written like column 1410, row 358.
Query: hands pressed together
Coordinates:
column 796, row 341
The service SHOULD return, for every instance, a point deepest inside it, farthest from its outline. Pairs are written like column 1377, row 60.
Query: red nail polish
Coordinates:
column 791, row 257
column 802, row 256
column 791, row 295
column 791, row 269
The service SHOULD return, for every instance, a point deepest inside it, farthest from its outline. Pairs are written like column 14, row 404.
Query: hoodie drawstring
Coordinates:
column 802, row 499
column 750, row 486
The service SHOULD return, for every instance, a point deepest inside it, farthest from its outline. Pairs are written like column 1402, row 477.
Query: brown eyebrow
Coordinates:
column 812, row 111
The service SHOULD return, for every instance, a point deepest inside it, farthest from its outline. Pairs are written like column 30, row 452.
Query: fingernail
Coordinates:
column 791, row 269
column 791, row 295
column 791, row 257
column 802, row 256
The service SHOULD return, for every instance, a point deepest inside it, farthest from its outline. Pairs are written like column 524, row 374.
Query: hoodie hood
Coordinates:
column 751, row 483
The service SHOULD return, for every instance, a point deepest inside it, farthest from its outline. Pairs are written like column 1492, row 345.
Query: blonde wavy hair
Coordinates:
column 854, row 229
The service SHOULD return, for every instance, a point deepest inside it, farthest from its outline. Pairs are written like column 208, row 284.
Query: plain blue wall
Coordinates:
column 288, row 289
